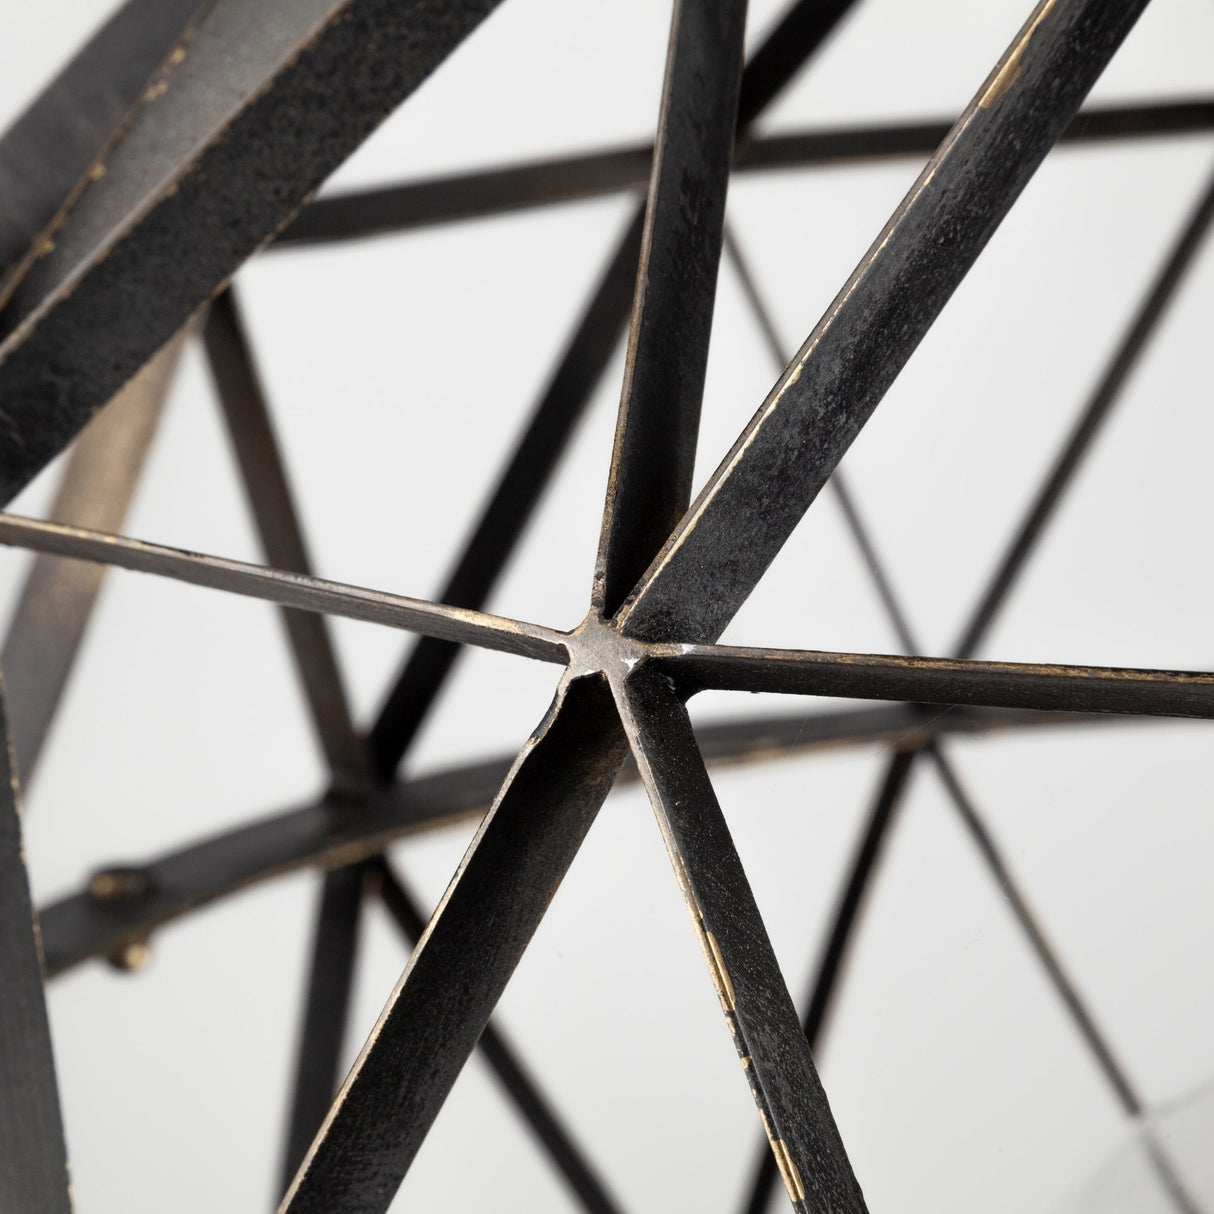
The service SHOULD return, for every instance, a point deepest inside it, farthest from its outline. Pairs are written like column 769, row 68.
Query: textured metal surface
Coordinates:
column 781, row 461
column 286, row 588
column 47, row 154
column 649, row 484
column 771, row 1045
column 461, row 966
column 943, row 681
column 214, row 162
column 557, row 1140
column 33, row 1157
column 215, row 138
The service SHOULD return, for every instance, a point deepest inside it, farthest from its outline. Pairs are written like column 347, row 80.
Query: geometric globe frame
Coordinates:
column 142, row 240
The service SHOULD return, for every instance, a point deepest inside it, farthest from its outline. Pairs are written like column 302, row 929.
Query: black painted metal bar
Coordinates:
column 326, row 1010
column 288, row 589
column 497, row 531
column 844, row 926
column 89, row 924
column 838, row 481
column 358, row 214
column 554, row 1136
column 264, row 477
column 773, row 1049
column 341, row 1171
column 862, row 872
column 1079, row 442
column 920, row 680
column 742, row 517
column 565, row 399
column 649, row 484
column 335, row 936
column 46, row 155
column 471, row 947
column 839, row 943
column 857, row 145
column 786, row 47
column 260, row 107
column 57, row 598
column 33, row 1155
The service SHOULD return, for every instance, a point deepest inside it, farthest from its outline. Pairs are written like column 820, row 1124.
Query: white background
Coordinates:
column 399, row 370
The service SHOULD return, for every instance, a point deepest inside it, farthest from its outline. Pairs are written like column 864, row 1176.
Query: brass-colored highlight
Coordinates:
column 1010, row 71
column 788, row 1170
column 721, row 978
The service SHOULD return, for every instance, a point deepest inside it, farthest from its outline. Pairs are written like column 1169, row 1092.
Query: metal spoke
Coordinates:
column 358, row 214
column 33, row 1159
column 858, row 145
column 335, row 937
column 564, row 401
column 863, row 868
column 649, row 485
column 496, row 534
column 919, row 680
column 837, row 482
column 46, row 155
column 266, row 101
column 111, row 915
column 264, row 478
column 770, row 1042
column 784, row 51
column 750, row 505
column 471, row 947
column 326, row 1011
column 1119, row 370
column 288, row 589
column 57, row 599
column 839, row 942
column 566, row 1156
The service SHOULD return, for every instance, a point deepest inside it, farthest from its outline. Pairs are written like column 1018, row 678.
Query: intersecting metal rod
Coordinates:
column 326, row 1010
column 556, row 1138
column 1129, row 1099
column 264, row 478
column 863, row 868
column 33, row 1157
column 775, row 1054
column 497, row 531
column 658, row 420
column 335, row 938
column 57, row 599
column 1121, row 367
column 472, row 945
column 806, row 25
column 358, row 214
column 750, row 505
column 288, row 589
column 840, row 940
column 252, row 113
column 838, row 481
column 461, row 966
column 45, row 156
column 85, row 925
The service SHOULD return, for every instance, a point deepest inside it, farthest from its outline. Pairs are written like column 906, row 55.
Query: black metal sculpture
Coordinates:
column 153, row 205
